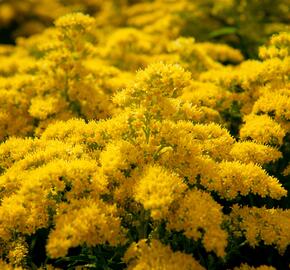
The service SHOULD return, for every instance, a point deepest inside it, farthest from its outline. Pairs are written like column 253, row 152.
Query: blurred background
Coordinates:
column 243, row 24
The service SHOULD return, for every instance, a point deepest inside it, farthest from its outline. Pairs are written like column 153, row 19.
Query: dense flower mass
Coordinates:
column 144, row 135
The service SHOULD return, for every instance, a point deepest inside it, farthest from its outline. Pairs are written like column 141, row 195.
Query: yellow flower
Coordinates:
column 262, row 129
column 157, row 190
column 245, row 266
column 154, row 255
column 236, row 178
column 271, row 226
column 8, row 266
column 118, row 157
column 247, row 152
column 197, row 210
column 279, row 47
column 18, row 251
column 79, row 20
column 85, row 221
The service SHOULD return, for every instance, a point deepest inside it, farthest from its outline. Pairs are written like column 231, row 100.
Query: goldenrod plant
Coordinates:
column 131, row 140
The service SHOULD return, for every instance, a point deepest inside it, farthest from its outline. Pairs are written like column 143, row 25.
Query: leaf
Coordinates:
column 223, row 31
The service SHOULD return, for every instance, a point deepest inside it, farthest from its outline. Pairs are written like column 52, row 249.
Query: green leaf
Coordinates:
column 223, row 31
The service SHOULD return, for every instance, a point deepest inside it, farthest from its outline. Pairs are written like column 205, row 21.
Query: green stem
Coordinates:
column 146, row 129
column 143, row 227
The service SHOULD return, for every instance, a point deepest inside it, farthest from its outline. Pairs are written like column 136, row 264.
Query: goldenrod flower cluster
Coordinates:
column 125, row 143
column 142, row 255
column 268, row 225
column 247, row 267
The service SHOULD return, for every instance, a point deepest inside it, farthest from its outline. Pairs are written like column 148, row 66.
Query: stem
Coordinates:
column 146, row 129
column 143, row 227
